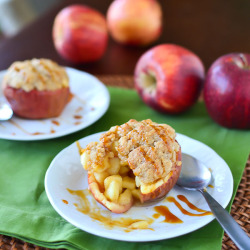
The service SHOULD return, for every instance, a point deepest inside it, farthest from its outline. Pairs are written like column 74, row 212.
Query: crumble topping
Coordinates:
column 148, row 148
column 40, row 74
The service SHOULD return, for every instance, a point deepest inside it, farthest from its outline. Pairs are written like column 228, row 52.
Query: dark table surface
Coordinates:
column 208, row 28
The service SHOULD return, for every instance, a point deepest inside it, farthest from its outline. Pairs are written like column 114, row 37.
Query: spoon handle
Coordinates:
column 231, row 227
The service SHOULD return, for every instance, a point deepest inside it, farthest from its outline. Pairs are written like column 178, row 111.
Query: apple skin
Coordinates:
column 37, row 104
column 135, row 22
column 227, row 91
column 169, row 78
column 80, row 34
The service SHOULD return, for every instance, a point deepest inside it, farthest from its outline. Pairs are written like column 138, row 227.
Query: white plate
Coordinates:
column 66, row 172
column 90, row 101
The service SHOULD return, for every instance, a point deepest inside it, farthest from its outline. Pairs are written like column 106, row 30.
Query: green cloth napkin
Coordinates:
column 26, row 213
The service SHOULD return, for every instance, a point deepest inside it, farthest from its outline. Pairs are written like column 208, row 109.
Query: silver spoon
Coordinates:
column 5, row 111
column 196, row 176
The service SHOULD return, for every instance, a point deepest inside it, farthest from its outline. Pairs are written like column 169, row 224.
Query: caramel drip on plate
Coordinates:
column 65, row 202
column 77, row 116
column 23, row 130
column 80, row 149
column 52, row 131
column 184, row 211
column 79, row 109
column 91, row 209
column 211, row 186
column 192, row 206
column 57, row 123
column 169, row 217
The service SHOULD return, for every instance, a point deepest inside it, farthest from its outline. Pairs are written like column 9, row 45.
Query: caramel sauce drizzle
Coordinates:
column 77, row 116
column 79, row 109
column 48, row 69
column 211, row 186
column 94, row 212
column 26, row 132
column 55, row 122
column 65, row 202
column 184, row 211
column 77, row 123
column 80, row 149
column 70, row 97
column 169, row 217
column 79, row 99
column 146, row 157
column 39, row 75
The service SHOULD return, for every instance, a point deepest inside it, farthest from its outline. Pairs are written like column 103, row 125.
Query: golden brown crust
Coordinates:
column 39, row 74
column 168, row 184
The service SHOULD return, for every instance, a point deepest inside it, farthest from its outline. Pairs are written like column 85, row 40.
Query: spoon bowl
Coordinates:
column 196, row 176
column 5, row 111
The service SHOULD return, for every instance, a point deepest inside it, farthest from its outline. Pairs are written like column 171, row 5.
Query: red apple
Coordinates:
column 169, row 78
column 135, row 22
column 80, row 34
column 227, row 91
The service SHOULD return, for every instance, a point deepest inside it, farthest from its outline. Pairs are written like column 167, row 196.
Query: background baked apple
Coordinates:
column 37, row 88
column 227, row 91
column 169, row 78
column 80, row 34
column 135, row 22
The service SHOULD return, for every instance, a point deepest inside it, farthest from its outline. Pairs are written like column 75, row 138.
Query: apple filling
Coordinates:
column 135, row 161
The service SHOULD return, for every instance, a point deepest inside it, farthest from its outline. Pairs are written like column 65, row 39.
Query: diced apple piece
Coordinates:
column 100, row 177
column 125, row 198
column 137, row 181
column 136, row 193
column 112, row 178
column 128, row 182
column 106, row 163
column 114, row 166
column 114, row 145
column 112, row 192
column 124, row 169
column 84, row 160
column 115, row 207
column 139, row 225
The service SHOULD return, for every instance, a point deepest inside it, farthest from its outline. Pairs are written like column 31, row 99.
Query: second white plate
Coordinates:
column 66, row 187
column 90, row 100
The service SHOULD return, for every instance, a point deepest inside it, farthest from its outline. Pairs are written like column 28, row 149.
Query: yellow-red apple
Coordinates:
column 169, row 78
column 80, row 34
column 135, row 22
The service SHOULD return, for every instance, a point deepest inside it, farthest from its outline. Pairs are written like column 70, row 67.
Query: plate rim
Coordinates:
column 70, row 130
column 67, row 218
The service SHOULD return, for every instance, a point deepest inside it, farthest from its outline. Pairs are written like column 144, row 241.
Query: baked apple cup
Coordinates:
column 36, row 88
column 120, row 165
